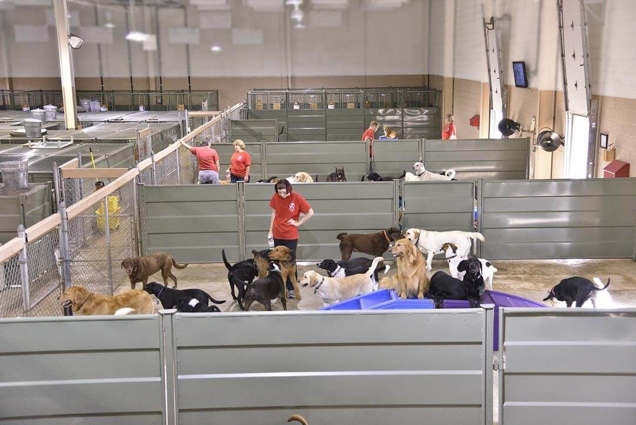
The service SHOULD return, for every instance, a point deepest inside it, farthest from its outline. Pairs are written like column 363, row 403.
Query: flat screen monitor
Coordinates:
column 519, row 71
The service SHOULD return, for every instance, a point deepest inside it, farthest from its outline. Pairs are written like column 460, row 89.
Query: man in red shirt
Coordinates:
column 208, row 161
column 369, row 135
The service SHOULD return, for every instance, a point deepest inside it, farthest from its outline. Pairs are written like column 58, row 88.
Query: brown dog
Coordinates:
column 139, row 269
column 411, row 279
column 287, row 262
column 374, row 244
column 87, row 303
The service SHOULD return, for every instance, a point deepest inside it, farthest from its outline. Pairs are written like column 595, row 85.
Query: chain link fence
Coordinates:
column 11, row 295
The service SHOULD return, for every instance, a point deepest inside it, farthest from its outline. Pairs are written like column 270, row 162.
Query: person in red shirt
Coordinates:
column 369, row 135
column 287, row 206
column 449, row 131
column 208, row 161
column 240, row 163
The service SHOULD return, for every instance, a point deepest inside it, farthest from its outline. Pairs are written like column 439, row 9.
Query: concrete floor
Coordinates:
column 528, row 279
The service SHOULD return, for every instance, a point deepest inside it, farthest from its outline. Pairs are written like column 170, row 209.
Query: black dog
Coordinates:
column 266, row 289
column 170, row 297
column 445, row 287
column 272, row 179
column 240, row 275
column 473, row 280
column 338, row 176
column 335, row 268
column 375, row 177
column 194, row 306
column 576, row 289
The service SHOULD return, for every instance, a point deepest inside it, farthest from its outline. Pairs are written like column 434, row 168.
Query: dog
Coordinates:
column 375, row 177
column 488, row 270
column 239, row 276
column 193, row 305
column 421, row 174
column 444, row 287
column 333, row 290
column 301, row 177
column 124, row 311
column 268, row 288
column 169, row 297
column 374, row 244
column 473, row 280
column 339, row 268
column 139, row 269
column 273, row 179
column 298, row 418
column 86, row 303
column 577, row 290
column 431, row 243
column 410, row 281
column 337, row 176
column 286, row 260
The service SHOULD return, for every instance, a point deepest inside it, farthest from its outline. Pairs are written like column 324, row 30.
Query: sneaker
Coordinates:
column 291, row 294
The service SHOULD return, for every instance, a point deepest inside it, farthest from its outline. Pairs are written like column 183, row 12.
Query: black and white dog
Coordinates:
column 577, row 290
column 341, row 268
column 375, row 177
column 445, row 287
column 239, row 276
column 194, row 306
column 337, row 176
column 170, row 298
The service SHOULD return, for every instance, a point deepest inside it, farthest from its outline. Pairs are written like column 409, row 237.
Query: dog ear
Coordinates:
column 462, row 266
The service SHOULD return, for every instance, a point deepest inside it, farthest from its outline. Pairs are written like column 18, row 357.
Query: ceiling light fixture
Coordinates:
column 216, row 48
column 136, row 36
column 75, row 41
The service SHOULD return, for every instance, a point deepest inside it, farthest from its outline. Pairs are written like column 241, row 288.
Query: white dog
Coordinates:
column 422, row 175
column 300, row 177
column 431, row 243
column 333, row 290
column 487, row 269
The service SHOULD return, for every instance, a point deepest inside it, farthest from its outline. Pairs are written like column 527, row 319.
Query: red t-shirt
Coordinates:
column 448, row 131
column 239, row 163
column 207, row 158
column 286, row 209
column 369, row 133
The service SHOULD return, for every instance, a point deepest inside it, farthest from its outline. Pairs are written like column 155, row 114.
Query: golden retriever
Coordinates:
column 87, row 303
column 301, row 177
column 410, row 279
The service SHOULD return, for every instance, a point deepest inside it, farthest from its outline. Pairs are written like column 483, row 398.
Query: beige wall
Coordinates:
column 618, row 121
column 466, row 103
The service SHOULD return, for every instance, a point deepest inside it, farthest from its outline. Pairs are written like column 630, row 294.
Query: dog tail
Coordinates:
column 450, row 173
column 179, row 266
column 124, row 311
column 339, row 236
column 227, row 265
column 212, row 299
column 298, row 418
column 477, row 235
column 599, row 283
column 402, row 176
column 371, row 270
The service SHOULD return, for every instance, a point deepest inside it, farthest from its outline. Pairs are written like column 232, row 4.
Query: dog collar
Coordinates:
column 451, row 257
column 335, row 272
column 161, row 292
column 319, row 285
column 386, row 236
column 419, row 175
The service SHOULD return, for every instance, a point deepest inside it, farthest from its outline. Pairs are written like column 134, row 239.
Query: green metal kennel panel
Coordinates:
column 280, row 115
column 421, row 123
column 306, row 125
column 253, row 130
column 191, row 222
column 362, row 207
column 392, row 157
column 23, row 206
column 81, row 370
column 559, row 219
column 319, row 159
column 344, row 124
column 225, row 151
column 438, row 205
column 389, row 116
column 493, row 159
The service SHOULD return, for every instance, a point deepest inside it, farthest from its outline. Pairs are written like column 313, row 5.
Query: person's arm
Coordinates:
column 271, row 224
column 304, row 219
column 218, row 164
column 247, row 172
column 186, row 145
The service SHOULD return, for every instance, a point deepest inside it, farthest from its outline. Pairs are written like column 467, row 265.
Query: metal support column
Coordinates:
column 178, row 166
column 24, row 272
column 66, row 64
column 108, row 249
column 65, row 252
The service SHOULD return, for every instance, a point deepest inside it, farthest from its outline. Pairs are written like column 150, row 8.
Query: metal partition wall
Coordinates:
column 319, row 159
column 191, row 222
column 493, row 159
column 254, row 131
column 549, row 219
column 439, row 206
column 391, row 157
column 87, row 371
column 335, row 368
column 569, row 366
column 343, row 207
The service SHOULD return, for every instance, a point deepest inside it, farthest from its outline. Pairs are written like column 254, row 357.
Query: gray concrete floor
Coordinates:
column 528, row 279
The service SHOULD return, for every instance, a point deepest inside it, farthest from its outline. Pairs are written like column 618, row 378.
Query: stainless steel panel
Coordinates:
column 560, row 414
column 572, row 387
column 438, row 206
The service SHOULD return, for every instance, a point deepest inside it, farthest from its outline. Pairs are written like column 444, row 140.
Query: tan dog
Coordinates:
column 302, row 177
column 287, row 262
column 333, row 290
column 298, row 418
column 87, row 303
column 410, row 279
column 139, row 269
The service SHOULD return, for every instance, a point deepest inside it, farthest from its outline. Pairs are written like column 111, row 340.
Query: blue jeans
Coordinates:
column 291, row 244
column 208, row 177
column 234, row 179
